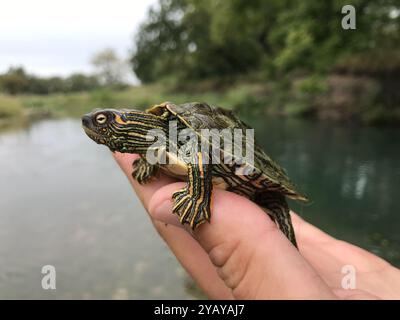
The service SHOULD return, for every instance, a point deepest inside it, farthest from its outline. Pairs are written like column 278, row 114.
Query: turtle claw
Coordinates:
column 143, row 171
column 190, row 210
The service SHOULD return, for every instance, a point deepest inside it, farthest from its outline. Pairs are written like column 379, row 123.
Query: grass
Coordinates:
column 10, row 107
column 11, row 111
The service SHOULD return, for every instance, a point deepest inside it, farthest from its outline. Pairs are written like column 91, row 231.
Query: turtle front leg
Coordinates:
column 143, row 171
column 192, row 203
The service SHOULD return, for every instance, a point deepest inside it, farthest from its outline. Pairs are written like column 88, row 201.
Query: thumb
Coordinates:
column 251, row 255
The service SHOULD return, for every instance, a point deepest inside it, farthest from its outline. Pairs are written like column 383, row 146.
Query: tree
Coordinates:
column 191, row 39
column 14, row 81
column 110, row 68
column 81, row 82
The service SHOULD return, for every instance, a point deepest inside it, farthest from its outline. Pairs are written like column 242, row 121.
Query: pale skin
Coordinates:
column 242, row 255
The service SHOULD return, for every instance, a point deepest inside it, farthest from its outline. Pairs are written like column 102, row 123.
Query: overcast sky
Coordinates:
column 58, row 37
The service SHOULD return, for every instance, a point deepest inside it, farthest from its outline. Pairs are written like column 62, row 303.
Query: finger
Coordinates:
column 306, row 232
column 252, row 256
column 314, row 239
column 160, row 205
column 331, row 258
column 194, row 260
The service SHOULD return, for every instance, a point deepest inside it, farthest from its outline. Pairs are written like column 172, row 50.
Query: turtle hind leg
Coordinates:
column 192, row 203
column 143, row 171
column 275, row 205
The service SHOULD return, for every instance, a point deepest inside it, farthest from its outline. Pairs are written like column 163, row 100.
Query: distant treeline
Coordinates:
column 109, row 73
column 188, row 39
column 17, row 81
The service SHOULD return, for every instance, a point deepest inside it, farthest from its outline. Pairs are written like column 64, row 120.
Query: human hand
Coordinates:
column 241, row 254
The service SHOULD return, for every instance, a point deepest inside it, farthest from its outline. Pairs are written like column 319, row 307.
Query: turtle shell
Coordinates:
column 199, row 116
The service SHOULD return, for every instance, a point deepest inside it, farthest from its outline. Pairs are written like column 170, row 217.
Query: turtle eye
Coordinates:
column 101, row 118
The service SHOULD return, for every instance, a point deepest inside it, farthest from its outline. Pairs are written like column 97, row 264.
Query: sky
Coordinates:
column 59, row 37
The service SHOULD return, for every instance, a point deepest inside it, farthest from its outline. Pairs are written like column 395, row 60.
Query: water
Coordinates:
column 351, row 174
column 64, row 202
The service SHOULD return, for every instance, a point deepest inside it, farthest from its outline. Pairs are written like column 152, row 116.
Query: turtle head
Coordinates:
column 123, row 130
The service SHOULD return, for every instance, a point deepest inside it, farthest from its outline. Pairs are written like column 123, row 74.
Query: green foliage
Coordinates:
column 376, row 115
column 312, row 85
column 294, row 49
column 214, row 39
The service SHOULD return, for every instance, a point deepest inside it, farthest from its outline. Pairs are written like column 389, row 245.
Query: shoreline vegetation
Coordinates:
column 352, row 98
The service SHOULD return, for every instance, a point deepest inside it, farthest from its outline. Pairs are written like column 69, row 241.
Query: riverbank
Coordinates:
column 29, row 107
column 74, row 104
column 340, row 97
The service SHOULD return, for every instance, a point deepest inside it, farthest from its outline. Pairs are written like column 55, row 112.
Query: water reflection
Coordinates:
column 65, row 203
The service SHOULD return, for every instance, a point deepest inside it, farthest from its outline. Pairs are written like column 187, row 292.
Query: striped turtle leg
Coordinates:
column 143, row 171
column 275, row 205
column 192, row 203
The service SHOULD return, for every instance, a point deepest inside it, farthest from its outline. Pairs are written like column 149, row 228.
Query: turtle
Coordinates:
column 261, row 180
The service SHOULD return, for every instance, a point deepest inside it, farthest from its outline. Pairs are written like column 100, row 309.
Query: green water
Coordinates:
column 65, row 203
column 351, row 174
